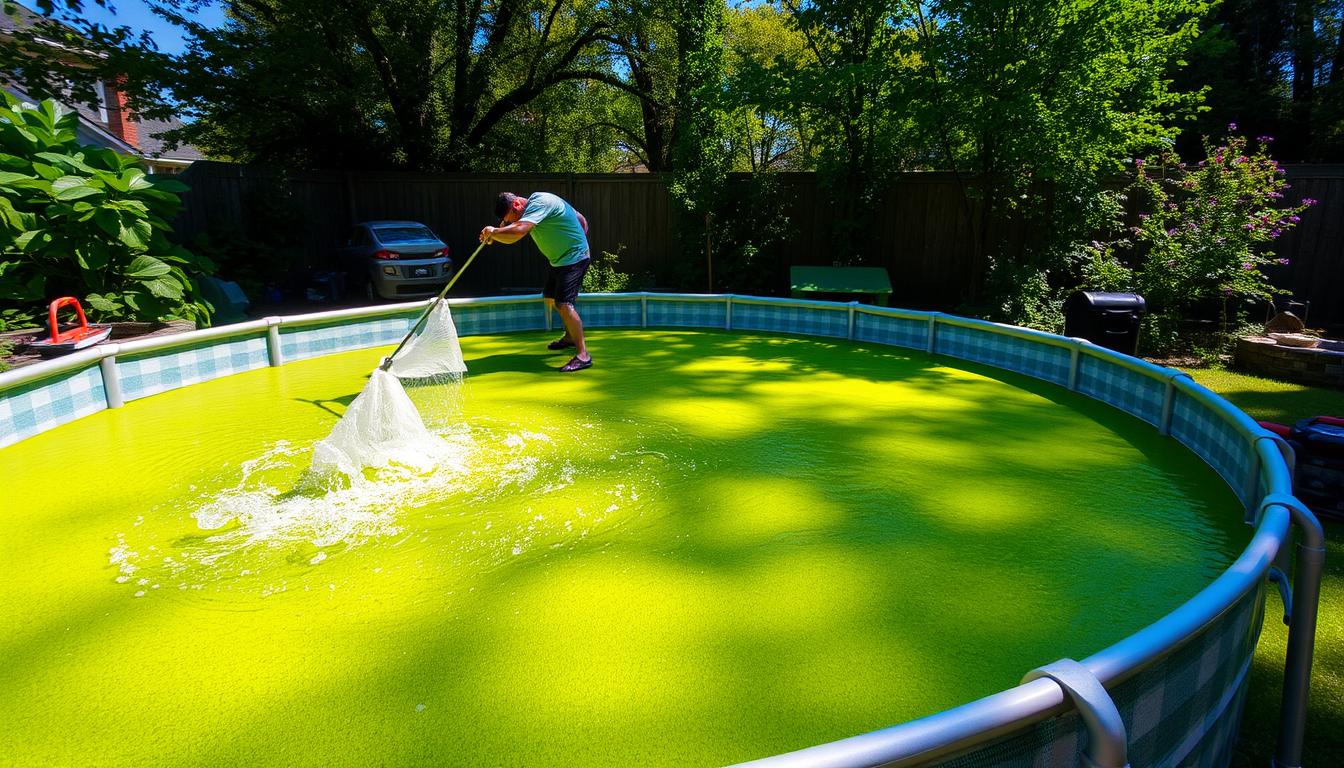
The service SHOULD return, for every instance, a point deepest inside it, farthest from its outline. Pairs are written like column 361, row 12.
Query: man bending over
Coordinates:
column 561, row 234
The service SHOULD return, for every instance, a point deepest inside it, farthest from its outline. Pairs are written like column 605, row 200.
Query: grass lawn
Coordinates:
column 1269, row 400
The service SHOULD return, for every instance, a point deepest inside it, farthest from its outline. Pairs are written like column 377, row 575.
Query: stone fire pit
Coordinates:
column 1322, row 364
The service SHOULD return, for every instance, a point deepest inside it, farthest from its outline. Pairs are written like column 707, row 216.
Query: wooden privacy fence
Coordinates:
column 919, row 233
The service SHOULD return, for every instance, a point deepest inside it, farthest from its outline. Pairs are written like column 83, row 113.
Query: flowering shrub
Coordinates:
column 1202, row 231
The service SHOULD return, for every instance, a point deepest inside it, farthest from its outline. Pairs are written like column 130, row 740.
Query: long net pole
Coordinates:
column 387, row 364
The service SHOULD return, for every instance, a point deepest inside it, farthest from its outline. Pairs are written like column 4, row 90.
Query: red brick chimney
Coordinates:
column 119, row 116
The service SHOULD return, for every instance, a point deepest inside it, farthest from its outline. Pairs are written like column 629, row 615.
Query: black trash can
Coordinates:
column 1108, row 320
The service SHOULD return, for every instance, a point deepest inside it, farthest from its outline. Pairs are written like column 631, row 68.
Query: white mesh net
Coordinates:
column 380, row 427
column 435, row 351
column 383, row 426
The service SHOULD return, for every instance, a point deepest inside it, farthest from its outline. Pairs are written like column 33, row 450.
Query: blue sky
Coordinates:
column 136, row 15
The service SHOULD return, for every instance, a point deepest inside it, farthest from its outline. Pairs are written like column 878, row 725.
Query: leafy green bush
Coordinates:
column 1204, row 233
column 87, row 222
column 603, row 276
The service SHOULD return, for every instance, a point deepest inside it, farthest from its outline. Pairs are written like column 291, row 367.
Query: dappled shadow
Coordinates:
column 791, row 511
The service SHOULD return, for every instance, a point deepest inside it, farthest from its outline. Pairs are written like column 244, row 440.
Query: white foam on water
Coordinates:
column 457, row 502
column 329, row 509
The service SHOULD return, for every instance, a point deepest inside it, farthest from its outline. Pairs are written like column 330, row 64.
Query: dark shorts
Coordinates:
column 563, row 283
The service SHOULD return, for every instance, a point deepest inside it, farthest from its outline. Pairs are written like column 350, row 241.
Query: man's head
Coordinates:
column 509, row 207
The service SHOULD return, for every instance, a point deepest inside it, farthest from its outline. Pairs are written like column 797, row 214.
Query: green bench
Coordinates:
column 872, row 281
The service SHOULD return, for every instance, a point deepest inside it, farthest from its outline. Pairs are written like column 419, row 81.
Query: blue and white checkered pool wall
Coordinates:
column 1180, row 702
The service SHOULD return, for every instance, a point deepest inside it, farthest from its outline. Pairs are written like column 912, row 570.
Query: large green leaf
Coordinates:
column 146, row 267
column 23, row 181
column 114, row 180
column 94, row 258
column 108, row 221
column 68, row 188
column 104, row 303
column 138, row 235
column 13, row 218
column 170, row 186
column 72, row 161
column 47, row 172
column 103, row 159
column 134, row 178
column 165, row 288
column 24, row 135
column 132, row 205
column 32, row 240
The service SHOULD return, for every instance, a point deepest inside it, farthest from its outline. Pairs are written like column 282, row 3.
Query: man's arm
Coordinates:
column 506, row 235
column 582, row 222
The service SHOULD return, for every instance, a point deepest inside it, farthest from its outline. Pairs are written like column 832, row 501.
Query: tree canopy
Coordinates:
column 1031, row 104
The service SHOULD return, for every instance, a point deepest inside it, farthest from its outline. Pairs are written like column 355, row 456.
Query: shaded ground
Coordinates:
column 1269, row 400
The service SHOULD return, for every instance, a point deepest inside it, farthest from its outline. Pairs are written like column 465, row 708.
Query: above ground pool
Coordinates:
column 712, row 547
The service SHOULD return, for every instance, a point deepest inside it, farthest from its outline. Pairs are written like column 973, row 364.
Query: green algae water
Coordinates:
column 706, row 549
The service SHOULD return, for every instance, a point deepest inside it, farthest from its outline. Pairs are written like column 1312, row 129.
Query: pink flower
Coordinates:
column 1309, row 201
column 1284, row 262
column 1247, row 267
column 1231, row 126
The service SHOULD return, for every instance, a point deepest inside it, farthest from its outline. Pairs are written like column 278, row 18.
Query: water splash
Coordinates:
column 482, row 494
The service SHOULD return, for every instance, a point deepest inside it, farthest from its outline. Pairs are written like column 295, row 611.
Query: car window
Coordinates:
column 358, row 236
column 403, row 234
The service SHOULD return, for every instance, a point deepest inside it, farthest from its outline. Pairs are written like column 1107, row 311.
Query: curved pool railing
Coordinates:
column 1171, row 694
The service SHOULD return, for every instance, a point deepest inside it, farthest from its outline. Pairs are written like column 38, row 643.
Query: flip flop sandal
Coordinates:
column 575, row 364
column 560, row 344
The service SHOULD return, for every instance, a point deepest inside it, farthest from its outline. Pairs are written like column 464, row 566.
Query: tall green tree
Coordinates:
column 1033, row 103
column 700, row 161
column 418, row 84
column 1271, row 67
column 765, row 132
column 853, row 82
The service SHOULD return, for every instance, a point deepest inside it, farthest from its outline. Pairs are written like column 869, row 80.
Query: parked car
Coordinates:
column 395, row 260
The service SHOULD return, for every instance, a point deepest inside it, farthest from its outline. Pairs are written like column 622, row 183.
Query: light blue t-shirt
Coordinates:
column 555, row 229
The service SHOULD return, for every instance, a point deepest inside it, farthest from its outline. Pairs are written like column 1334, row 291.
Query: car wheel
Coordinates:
column 369, row 292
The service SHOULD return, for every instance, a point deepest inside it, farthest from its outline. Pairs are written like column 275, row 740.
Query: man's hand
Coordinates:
column 488, row 235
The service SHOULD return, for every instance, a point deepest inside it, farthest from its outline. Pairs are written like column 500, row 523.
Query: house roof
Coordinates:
column 153, row 145
column 14, row 16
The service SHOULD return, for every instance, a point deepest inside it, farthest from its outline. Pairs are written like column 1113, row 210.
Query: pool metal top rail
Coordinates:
column 1271, row 508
